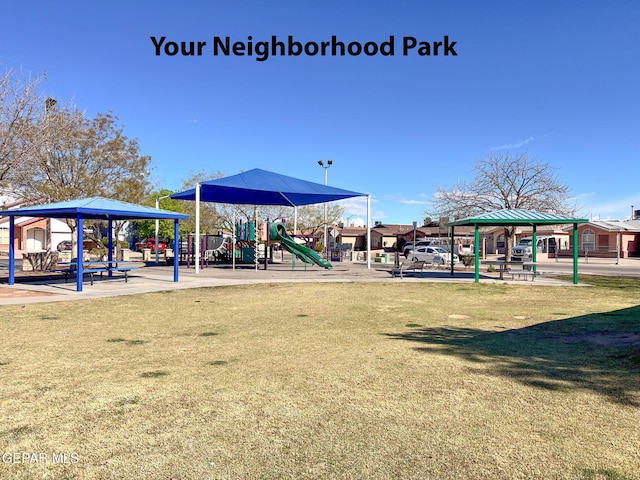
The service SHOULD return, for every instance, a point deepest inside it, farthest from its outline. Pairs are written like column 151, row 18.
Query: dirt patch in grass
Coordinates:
column 8, row 292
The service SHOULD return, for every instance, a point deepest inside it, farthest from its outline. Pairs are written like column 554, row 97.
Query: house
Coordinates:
column 352, row 238
column 34, row 234
column 386, row 236
column 609, row 238
column 495, row 243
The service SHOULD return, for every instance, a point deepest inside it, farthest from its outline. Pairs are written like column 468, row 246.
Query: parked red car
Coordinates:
column 150, row 243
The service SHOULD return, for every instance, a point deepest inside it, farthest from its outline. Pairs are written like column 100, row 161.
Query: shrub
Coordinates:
column 123, row 243
column 468, row 260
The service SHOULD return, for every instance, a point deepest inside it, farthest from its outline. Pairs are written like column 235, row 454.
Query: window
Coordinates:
column 588, row 240
column 4, row 236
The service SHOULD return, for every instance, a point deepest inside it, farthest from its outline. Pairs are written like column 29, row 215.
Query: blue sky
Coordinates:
column 559, row 79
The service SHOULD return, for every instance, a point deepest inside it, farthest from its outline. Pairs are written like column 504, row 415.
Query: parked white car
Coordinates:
column 407, row 247
column 524, row 250
column 437, row 255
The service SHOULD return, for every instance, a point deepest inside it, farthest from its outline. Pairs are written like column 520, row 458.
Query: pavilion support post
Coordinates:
column 197, row 239
column 79, row 247
column 295, row 220
column 575, row 253
column 476, row 242
column 176, row 246
column 451, row 245
column 369, row 231
column 255, row 235
column 534, row 248
column 110, row 245
column 234, row 240
column 12, row 250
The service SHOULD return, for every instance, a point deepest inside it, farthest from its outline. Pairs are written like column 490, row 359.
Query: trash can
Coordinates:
column 146, row 254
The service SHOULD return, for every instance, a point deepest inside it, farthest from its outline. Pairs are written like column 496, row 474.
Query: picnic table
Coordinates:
column 96, row 266
column 526, row 271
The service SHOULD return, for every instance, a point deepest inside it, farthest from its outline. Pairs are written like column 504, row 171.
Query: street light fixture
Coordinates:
column 326, row 227
column 158, row 226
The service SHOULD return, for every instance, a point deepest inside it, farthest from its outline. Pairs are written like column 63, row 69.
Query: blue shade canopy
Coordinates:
column 97, row 208
column 260, row 187
column 94, row 208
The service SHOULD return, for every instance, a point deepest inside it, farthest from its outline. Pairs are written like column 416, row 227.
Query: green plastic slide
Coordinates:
column 279, row 233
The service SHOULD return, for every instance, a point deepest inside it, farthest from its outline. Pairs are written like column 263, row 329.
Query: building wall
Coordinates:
column 358, row 242
column 4, row 236
column 602, row 243
column 33, row 236
column 632, row 245
column 37, row 235
column 59, row 231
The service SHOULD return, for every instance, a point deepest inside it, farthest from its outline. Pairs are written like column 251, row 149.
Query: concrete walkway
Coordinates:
column 159, row 278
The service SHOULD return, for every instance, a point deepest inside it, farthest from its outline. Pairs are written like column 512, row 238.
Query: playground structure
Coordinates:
column 279, row 233
column 214, row 248
column 260, row 187
column 254, row 244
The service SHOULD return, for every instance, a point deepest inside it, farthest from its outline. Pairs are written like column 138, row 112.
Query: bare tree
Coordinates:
column 311, row 217
column 22, row 103
column 82, row 158
column 504, row 180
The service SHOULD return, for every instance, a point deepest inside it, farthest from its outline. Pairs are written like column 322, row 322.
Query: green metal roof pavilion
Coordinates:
column 517, row 218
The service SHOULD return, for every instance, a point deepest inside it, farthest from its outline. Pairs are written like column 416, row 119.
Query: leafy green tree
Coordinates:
column 82, row 158
column 147, row 228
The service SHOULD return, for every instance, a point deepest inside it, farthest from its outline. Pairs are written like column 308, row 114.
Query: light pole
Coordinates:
column 326, row 227
column 158, row 226
column 349, row 220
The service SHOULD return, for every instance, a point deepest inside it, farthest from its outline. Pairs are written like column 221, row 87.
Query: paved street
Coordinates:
column 593, row 266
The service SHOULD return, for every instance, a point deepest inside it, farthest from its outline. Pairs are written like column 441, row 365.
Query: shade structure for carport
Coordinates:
column 261, row 187
column 517, row 218
column 93, row 208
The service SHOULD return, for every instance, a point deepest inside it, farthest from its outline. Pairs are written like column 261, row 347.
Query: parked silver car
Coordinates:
column 436, row 255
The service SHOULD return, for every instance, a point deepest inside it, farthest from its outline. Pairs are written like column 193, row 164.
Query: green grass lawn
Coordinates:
column 324, row 381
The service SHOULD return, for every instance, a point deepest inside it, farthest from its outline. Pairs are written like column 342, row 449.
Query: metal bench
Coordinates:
column 409, row 265
column 523, row 274
column 124, row 270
